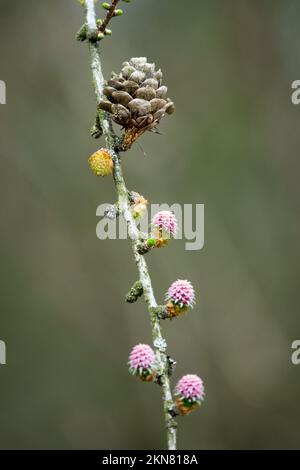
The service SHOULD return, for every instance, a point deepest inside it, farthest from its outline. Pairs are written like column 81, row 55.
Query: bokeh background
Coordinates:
column 233, row 145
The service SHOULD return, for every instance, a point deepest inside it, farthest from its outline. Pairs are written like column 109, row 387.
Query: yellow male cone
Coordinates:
column 101, row 163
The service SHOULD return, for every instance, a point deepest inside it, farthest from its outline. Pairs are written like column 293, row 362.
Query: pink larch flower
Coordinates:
column 181, row 293
column 141, row 362
column 189, row 393
column 165, row 221
column 190, row 387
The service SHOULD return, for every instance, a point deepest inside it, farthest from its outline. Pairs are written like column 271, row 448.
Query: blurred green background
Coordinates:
column 232, row 145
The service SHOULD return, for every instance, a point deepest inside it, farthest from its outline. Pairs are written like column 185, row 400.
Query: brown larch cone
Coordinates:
column 136, row 99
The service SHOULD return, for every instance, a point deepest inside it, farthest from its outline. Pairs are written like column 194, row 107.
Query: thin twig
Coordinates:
column 109, row 16
column 124, row 207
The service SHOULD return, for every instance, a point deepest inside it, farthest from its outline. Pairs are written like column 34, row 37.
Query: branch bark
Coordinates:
column 112, row 141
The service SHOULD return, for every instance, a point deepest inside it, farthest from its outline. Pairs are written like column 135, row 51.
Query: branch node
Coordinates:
column 171, row 365
column 96, row 129
column 173, row 412
column 112, row 211
column 159, row 380
column 144, row 246
column 161, row 312
column 93, row 36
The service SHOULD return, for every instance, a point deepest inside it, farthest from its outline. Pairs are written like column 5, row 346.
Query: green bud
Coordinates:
column 118, row 12
column 151, row 242
column 108, row 32
column 106, row 6
column 99, row 22
column 100, row 36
